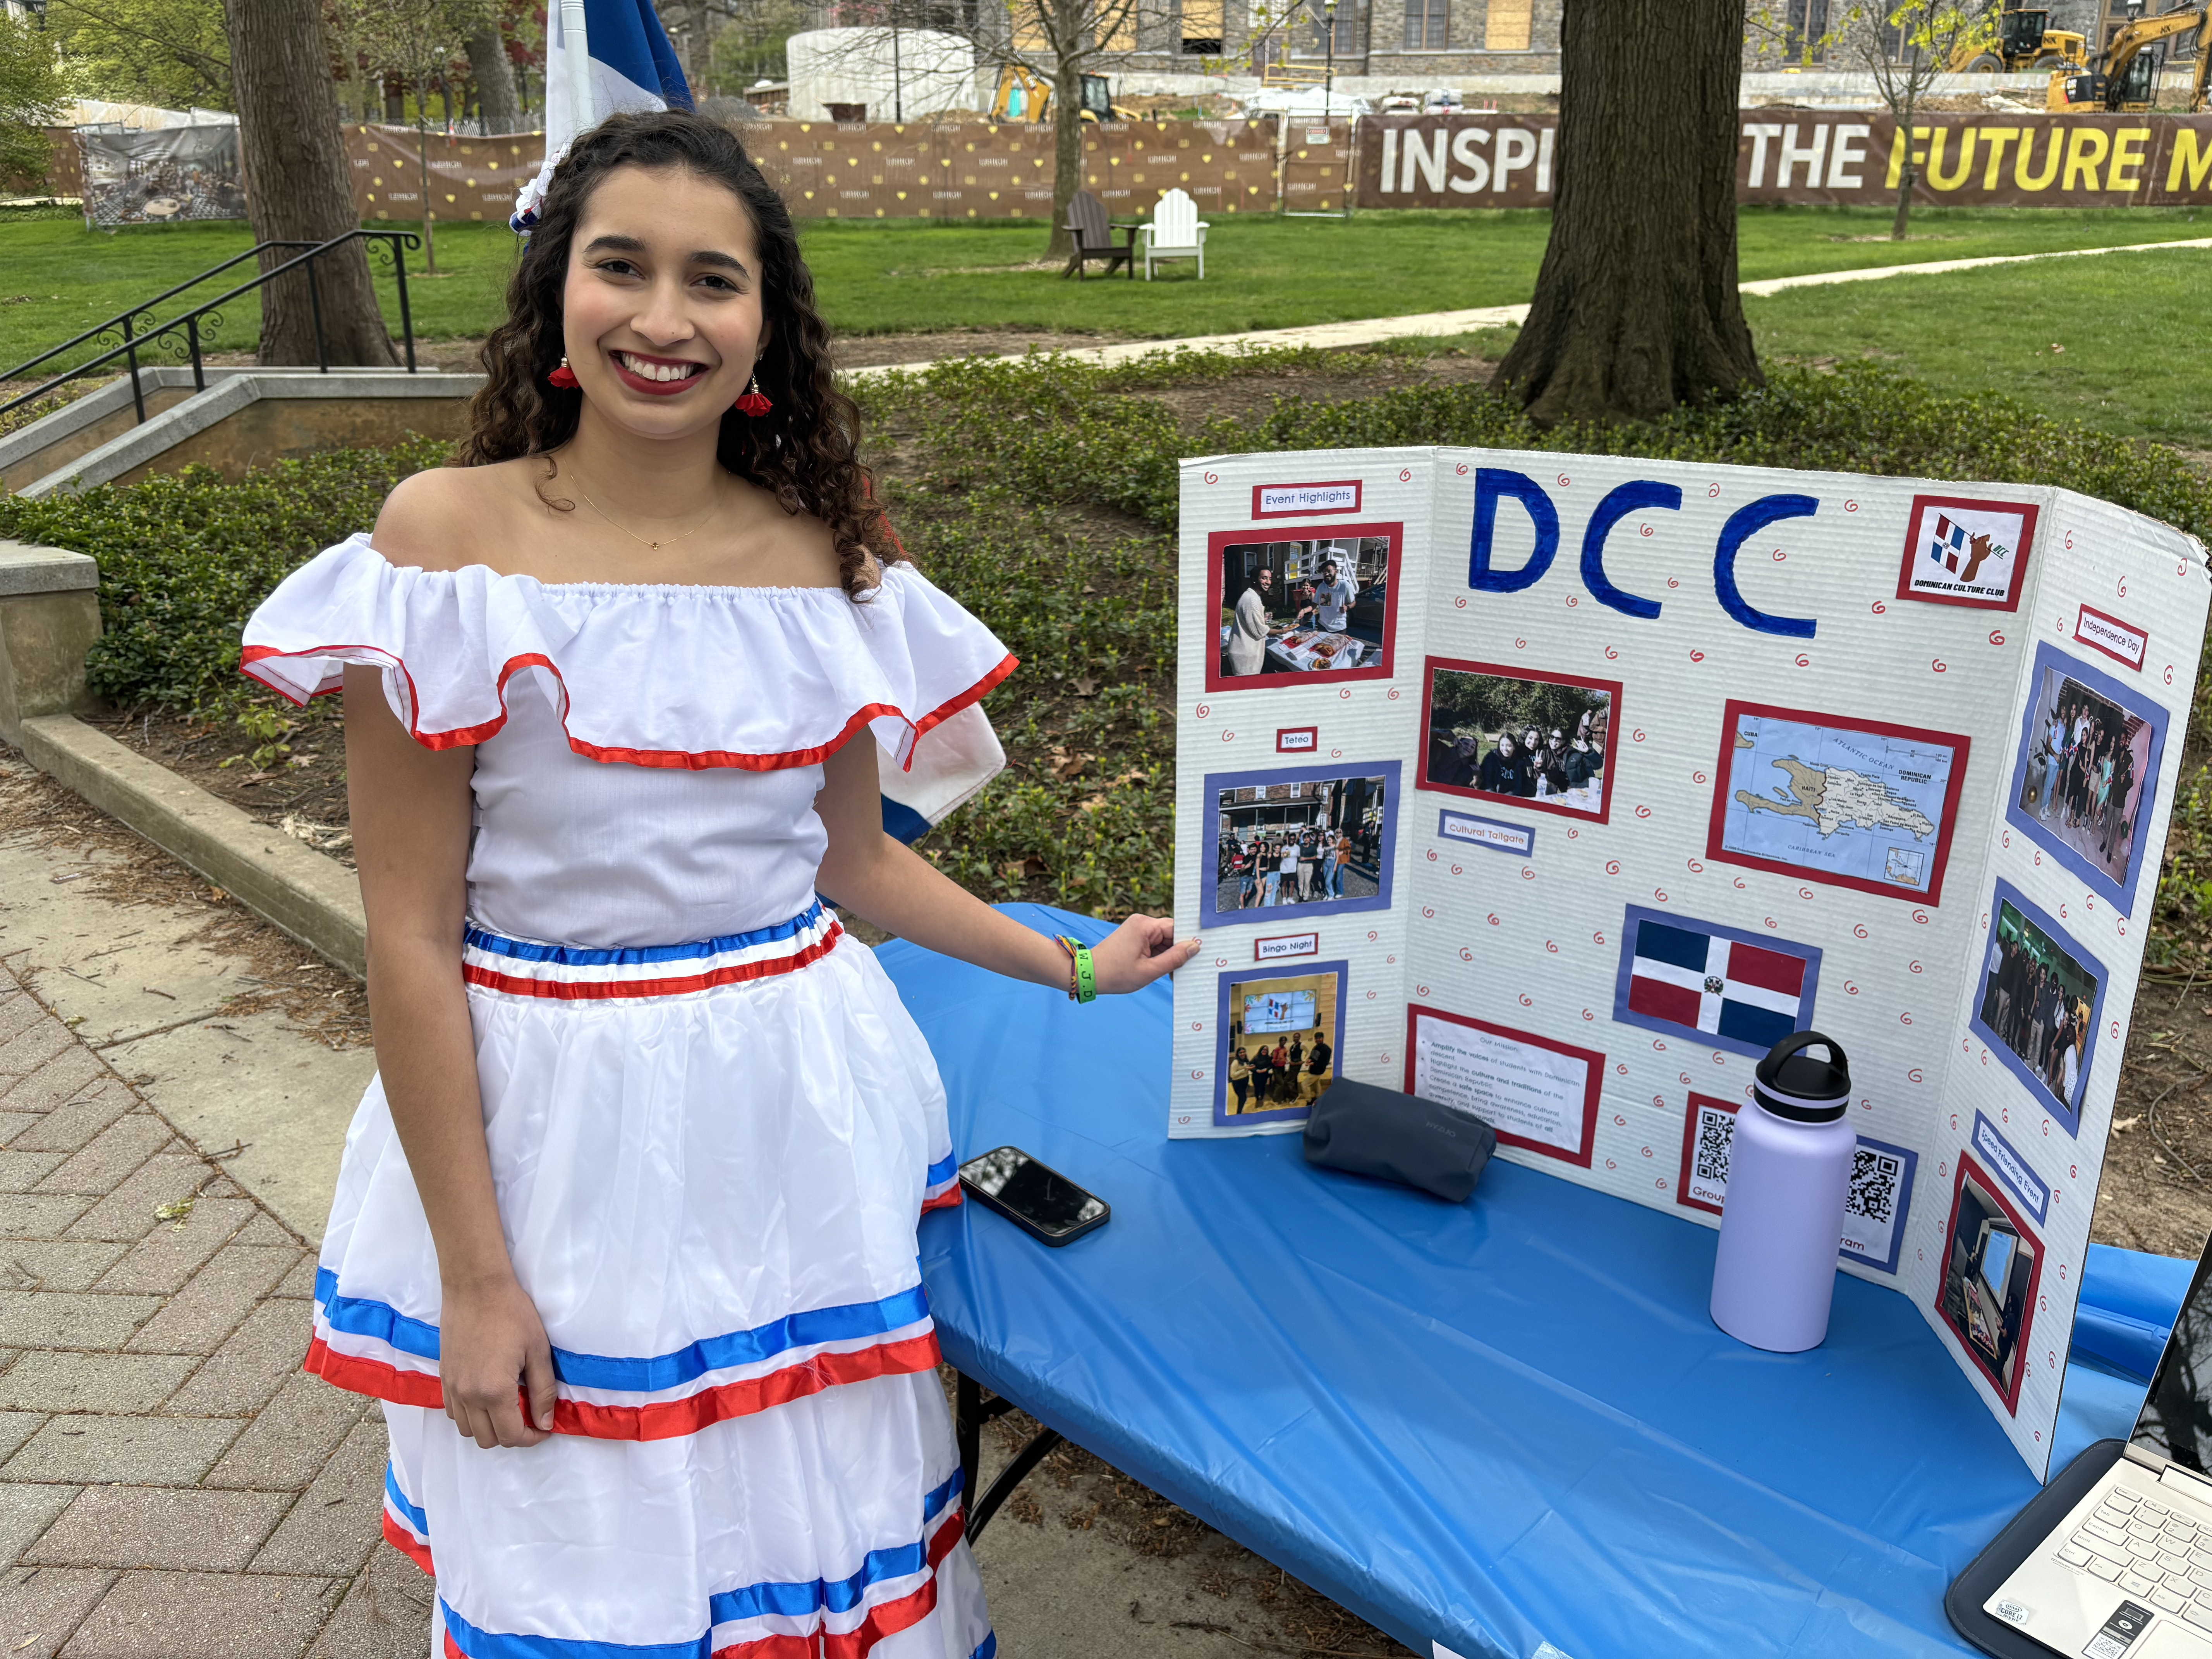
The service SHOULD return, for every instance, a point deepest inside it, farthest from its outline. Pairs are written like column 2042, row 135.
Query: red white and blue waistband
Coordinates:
column 573, row 973
column 843, row 1618
column 371, row 1348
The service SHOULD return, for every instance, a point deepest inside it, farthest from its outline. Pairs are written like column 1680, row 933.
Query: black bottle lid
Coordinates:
column 1793, row 1085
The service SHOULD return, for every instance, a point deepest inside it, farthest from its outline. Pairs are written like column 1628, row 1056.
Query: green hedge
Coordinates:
column 1057, row 430
column 183, row 559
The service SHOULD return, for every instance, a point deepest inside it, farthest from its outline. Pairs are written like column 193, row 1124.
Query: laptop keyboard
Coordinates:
column 2156, row 1553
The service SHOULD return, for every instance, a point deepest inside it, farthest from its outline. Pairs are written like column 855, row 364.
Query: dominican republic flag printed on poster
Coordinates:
column 1690, row 976
column 601, row 56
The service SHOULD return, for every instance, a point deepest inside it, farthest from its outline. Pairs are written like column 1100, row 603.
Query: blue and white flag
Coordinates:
column 601, row 56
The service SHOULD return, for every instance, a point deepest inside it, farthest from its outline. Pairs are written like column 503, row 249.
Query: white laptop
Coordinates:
column 2127, row 1574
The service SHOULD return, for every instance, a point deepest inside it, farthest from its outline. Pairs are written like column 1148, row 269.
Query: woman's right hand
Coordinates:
column 492, row 1351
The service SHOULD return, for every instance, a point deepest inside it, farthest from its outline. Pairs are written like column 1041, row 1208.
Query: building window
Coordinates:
column 1114, row 25
column 1348, row 24
column 1201, row 28
column 1506, row 28
column 1424, row 25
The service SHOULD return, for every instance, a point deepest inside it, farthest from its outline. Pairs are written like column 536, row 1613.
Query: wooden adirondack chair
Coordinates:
column 1094, row 238
column 1175, row 232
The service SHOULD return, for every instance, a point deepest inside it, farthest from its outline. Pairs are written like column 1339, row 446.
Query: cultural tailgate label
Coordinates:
column 1587, row 779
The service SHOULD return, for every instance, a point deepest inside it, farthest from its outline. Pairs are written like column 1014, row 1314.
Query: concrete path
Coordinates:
column 174, row 1486
column 1374, row 331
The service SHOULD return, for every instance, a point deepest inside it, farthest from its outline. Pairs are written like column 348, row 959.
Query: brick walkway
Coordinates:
column 173, row 1486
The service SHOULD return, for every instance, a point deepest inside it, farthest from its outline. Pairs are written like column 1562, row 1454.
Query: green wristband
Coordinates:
column 1083, row 984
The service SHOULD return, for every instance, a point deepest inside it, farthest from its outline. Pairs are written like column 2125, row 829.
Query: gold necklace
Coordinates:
column 651, row 546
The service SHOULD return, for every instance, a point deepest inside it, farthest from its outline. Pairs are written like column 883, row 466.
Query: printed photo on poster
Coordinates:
column 1875, row 1207
column 1279, row 1034
column 1848, row 802
column 1538, row 1095
column 1319, row 839
column 1507, row 734
column 1311, row 612
column 1962, row 551
column 2086, row 777
column 1991, row 1263
column 1720, row 986
column 2038, row 1002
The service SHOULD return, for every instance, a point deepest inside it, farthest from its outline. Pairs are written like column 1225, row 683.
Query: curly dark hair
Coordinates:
column 803, row 451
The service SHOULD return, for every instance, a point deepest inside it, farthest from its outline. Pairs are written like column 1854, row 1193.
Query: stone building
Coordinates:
column 1378, row 43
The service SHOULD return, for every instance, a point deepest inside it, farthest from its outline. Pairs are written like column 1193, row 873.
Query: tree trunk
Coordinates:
column 298, row 182
column 495, row 78
column 1911, row 176
column 1636, row 308
column 1067, row 147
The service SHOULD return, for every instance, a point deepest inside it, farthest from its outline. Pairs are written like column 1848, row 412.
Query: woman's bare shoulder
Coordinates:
column 445, row 517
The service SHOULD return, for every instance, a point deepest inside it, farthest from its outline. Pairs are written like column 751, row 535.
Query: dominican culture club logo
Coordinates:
column 1968, row 552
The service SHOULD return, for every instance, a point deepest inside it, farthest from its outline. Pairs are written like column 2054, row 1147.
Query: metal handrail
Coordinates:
column 399, row 241
column 122, row 319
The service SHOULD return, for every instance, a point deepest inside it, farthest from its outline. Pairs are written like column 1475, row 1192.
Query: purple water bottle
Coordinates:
column 1789, row 1170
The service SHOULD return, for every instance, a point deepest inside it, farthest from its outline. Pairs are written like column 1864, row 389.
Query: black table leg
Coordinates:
column 971, row 1413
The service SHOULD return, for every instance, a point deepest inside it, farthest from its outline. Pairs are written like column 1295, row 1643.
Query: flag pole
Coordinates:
column 576, row 51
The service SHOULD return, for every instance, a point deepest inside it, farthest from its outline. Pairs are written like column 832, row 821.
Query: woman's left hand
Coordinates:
column 1138, row 952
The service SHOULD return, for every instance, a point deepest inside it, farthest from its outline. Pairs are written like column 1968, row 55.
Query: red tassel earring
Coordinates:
column 753, row 401
column 564, row 377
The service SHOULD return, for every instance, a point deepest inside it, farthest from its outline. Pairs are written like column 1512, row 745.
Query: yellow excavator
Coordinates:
column 1023, row 96
column 2024, row 42
column 2126, row 78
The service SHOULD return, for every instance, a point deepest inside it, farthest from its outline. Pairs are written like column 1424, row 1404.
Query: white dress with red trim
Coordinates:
column 712, row 1125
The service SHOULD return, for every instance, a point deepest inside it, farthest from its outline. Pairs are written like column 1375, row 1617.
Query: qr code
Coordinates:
column 1716, row 1135
column 1875, row 1178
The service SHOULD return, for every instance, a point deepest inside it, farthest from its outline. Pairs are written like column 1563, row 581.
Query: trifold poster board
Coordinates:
column 1559, row 788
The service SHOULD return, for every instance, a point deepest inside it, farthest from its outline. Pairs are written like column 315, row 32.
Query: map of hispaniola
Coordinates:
column 1836, row 802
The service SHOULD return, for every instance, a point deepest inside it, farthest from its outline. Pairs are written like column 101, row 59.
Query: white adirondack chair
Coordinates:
column 1175, row 232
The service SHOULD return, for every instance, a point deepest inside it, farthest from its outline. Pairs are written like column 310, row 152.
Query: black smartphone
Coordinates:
column 1035, row 1197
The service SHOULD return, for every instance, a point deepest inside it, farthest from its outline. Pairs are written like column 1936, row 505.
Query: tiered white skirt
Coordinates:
column 709, row 1161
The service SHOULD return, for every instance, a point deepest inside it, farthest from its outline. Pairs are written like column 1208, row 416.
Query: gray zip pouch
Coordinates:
column 1356, row 1127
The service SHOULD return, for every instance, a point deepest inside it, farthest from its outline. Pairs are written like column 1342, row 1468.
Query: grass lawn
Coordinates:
column 57, row 278
column 2135, row 360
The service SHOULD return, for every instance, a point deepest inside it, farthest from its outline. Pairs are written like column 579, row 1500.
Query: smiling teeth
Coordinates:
column 645, row 370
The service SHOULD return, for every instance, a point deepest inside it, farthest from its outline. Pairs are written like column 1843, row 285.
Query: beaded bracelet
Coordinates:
column 1082, row 984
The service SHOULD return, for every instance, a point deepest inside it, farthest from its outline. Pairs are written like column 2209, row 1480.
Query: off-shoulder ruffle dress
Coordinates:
column 713, row 1126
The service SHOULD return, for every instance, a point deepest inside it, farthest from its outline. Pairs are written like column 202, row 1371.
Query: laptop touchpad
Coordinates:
column 2170, row 1640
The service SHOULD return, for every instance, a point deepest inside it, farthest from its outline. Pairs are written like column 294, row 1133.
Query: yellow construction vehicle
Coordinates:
column 1023, row 96
column 2024, row 44
column 2126, row 78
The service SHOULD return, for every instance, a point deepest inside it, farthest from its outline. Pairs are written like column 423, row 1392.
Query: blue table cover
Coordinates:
column 1488, row 1427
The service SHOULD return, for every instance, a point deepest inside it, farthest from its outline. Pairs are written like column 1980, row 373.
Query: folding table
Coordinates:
column 1505, row 1427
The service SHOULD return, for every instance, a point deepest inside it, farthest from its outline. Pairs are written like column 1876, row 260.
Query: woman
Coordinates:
column 624, row 1235
column 1240, row 1077
column 1271, row 872
column 1280, row 1073
column 1329, row 881
column 1288, row 865
column 2054, row 759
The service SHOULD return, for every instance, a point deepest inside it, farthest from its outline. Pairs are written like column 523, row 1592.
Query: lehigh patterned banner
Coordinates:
column 1846, row 157
column 980, row 170
column 1316, row 165
column 469, row 178
column 882, row 170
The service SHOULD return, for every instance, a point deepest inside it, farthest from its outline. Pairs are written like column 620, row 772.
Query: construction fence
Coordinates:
column 985, row 170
